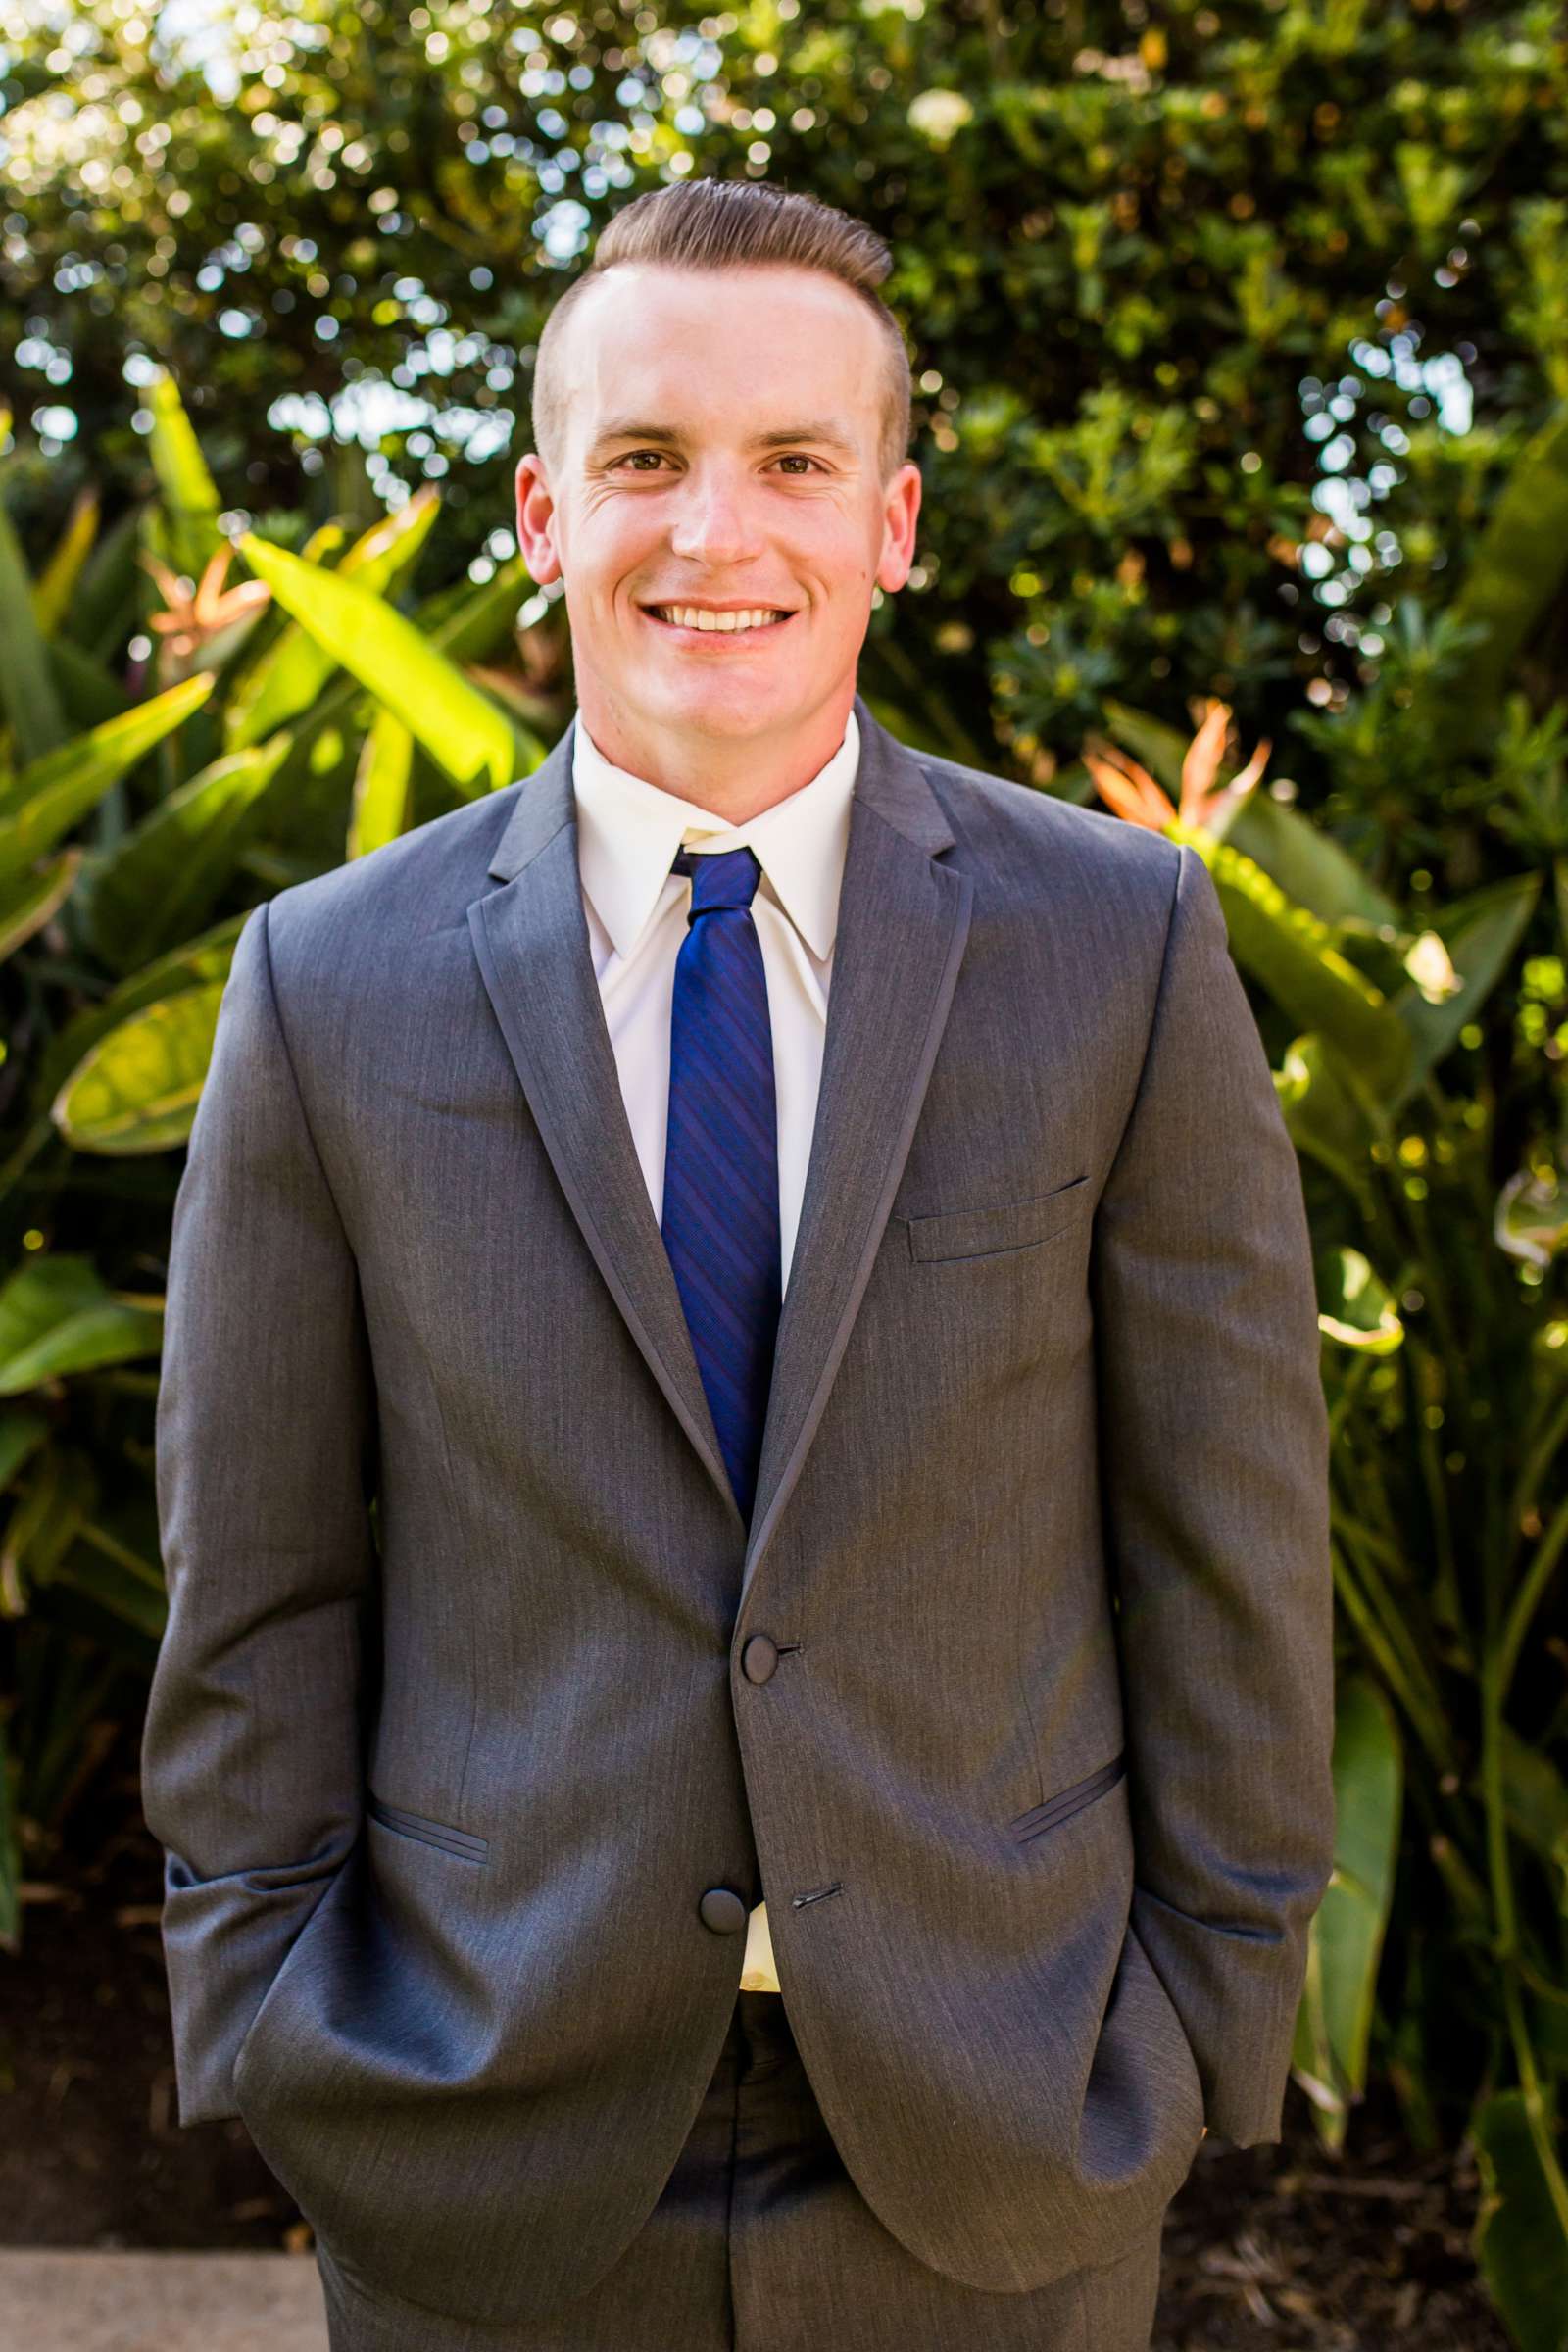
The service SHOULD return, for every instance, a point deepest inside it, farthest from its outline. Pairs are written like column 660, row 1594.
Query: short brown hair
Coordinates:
column 732, row 225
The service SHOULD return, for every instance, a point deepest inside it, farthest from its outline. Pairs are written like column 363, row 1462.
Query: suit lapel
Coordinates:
column 904, row 919
column 902, row 922
column 536, row 962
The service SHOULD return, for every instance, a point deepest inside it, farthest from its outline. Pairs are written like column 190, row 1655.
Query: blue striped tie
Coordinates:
column 720, row 1211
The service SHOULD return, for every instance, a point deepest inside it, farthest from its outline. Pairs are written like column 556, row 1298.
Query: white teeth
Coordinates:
column 692, row 616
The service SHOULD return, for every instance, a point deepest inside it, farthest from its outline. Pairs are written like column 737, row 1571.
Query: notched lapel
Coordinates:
column 904, row 919
column 536, row 962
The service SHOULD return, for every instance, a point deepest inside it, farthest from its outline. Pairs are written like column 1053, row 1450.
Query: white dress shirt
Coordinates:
column 628, row 832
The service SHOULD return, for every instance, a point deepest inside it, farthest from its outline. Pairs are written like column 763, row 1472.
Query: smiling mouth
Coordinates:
column 719, row 624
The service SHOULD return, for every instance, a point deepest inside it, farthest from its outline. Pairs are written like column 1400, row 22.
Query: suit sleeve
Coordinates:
column 1215, row 1450
column 251, row 1771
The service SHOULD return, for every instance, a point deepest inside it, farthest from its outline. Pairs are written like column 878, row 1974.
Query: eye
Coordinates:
column 790, row 456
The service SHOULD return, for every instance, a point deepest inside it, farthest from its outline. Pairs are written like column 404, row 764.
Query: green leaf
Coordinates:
column 471, row 619
column 1308, row 863
column 51, row 794
column 1518, row 567
column 28, row 692
column 466, row 735
column 1322, row 1113
column 137, row 1088
column 1520, row 2243
column 186, row 489
column 289, row 675
column 128, row 1589
column 1334, row 2025
column 199, row 961
column 28, row 900
column 1292, row 952
column 382, row 785
column 57, row 1317
column 163, row 876
column 86, row 689
column 1482, row 934
column 21, row 1432
column 56, row 583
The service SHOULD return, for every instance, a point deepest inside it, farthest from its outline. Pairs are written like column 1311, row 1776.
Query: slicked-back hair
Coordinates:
column 732, row 225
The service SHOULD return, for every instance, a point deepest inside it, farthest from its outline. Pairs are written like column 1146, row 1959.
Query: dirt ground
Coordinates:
column 1276, row 2246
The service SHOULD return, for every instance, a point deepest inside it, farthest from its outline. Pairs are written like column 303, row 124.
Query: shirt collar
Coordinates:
column 629, row 831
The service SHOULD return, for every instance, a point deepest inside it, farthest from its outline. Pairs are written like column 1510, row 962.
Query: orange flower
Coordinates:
column 1132, row 792
column 193, row 620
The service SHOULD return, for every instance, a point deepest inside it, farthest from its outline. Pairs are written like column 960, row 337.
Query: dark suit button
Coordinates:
column 723, row 1910
column 759, row 1659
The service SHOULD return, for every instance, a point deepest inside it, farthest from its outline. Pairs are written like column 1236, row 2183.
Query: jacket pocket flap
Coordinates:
column 1008, row 1225
column 431, row 1832
column 1068, row 1800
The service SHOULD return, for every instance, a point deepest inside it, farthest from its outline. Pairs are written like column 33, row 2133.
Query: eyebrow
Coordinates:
column 827, row 436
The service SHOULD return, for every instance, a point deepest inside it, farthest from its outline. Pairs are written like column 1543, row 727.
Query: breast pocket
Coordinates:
column 1007, row 1225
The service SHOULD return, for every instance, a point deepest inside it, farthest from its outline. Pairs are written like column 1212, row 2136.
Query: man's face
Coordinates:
column 721, row 450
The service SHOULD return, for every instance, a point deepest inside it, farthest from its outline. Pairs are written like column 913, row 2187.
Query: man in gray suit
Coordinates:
column 797, row 1242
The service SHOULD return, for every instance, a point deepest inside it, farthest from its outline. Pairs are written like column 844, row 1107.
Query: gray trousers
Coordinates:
column 761, row 2242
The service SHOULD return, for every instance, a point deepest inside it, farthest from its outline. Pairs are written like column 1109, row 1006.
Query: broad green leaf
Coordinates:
column 1482, row 934
column 163, row 878
column 28, row 900
column 107, row 598
column 1334, row 2024
column 52, row 593
column 468, row 740
column 195, row 964
column 111, row 1334
column 382, row 798
column 290, row 674
column 49, row 1510
column 1308, row 863
column 21, row 1432
column 86, row 688
column 468, row 621
column 27, row 694
column 1515, row 573
column 56, row 1316
column 1292, row 952
column 187, row 490
column 139, row 1087
column 51, row 794
column 1321, row 1113
column 1535, row 1799
column 1520, row 2243
column 128, row 1588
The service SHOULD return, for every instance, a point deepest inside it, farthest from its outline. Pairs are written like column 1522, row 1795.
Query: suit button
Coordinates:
column 723, row 1910
column 759, row 1659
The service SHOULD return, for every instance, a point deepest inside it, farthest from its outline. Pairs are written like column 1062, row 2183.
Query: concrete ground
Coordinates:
column 110, row 2302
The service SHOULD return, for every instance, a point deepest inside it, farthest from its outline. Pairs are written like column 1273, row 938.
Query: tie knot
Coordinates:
column 720, row 878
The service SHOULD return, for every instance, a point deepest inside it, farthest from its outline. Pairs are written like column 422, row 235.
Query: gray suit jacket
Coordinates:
column 1018, row 1691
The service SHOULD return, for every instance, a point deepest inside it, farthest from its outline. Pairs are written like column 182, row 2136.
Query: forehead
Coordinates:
column 721, row 350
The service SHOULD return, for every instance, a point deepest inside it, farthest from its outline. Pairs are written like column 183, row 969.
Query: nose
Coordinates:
column 712, row 528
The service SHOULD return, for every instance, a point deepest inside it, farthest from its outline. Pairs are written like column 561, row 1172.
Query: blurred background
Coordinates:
column 1240, row 343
